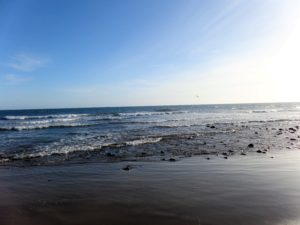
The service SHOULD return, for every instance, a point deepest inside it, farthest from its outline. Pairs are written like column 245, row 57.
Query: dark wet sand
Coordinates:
column 252, row 190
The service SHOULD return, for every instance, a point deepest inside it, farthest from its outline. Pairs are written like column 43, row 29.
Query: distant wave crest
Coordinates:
column 41, row 126
column 22, row 117
column 146, row 113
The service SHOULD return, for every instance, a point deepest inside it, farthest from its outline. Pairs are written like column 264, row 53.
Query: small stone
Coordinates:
column 225, row 157
column 259, row 151
column 207, row 158
column 127, row 168
column 212, row 127
column 110, row 154
column 251, row 146
column 243, row 153
column 293, row 139
column 172, row 160
column 292, row 130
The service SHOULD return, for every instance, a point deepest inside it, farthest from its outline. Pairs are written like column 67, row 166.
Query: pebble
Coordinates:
column 250, row 145
column 292, row 130
column 127, row 168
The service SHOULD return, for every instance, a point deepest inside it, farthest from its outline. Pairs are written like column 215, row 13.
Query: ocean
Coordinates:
column 56, row 136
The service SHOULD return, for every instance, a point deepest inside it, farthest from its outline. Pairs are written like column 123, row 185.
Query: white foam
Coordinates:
column 57, row 148
column 15, row 117
column 175, row 125
column 145, row 113
column 143, row 141
column 37, row 126
column 23, row 117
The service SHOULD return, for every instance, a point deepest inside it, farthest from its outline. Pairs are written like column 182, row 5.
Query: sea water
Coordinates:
column 155, row 132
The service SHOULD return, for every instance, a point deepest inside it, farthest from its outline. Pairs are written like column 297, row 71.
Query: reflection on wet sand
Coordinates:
column 242, row 190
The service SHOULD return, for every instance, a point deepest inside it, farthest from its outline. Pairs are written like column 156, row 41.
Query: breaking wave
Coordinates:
column 146, row 113
column 45, row 126
column 142, row 141
column 66, row 149
column 43, row 117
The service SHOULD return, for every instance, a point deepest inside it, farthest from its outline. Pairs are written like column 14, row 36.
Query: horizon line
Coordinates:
column 166, row 105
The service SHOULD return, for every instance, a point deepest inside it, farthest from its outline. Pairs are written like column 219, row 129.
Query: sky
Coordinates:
column 93, row 53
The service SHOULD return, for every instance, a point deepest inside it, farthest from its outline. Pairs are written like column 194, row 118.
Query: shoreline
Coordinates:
column 253, row 189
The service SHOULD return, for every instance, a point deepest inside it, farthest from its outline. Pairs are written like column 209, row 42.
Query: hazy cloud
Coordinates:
column 26, row 63
column 15, row 79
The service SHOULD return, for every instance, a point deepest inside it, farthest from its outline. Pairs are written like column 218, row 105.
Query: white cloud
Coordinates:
column 15, row 79
column 26, row 63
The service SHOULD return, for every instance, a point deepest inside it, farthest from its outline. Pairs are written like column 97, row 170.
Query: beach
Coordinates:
column 211, row 164
column 248, row 190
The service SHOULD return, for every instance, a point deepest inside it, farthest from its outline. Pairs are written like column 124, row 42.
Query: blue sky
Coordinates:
column 147, row 52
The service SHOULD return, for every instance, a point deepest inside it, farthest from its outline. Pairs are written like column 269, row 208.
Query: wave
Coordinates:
column 258, row 111
column 165, row 110
column 45, row 126
column 267, row 111
column 174, row 126
column 49, row 121
column 23, row 117
column 67, row 149
column 157, row 113
column 142, row 141
column 109, row 116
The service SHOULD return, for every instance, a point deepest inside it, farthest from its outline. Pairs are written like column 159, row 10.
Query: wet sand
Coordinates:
column 253, row 189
